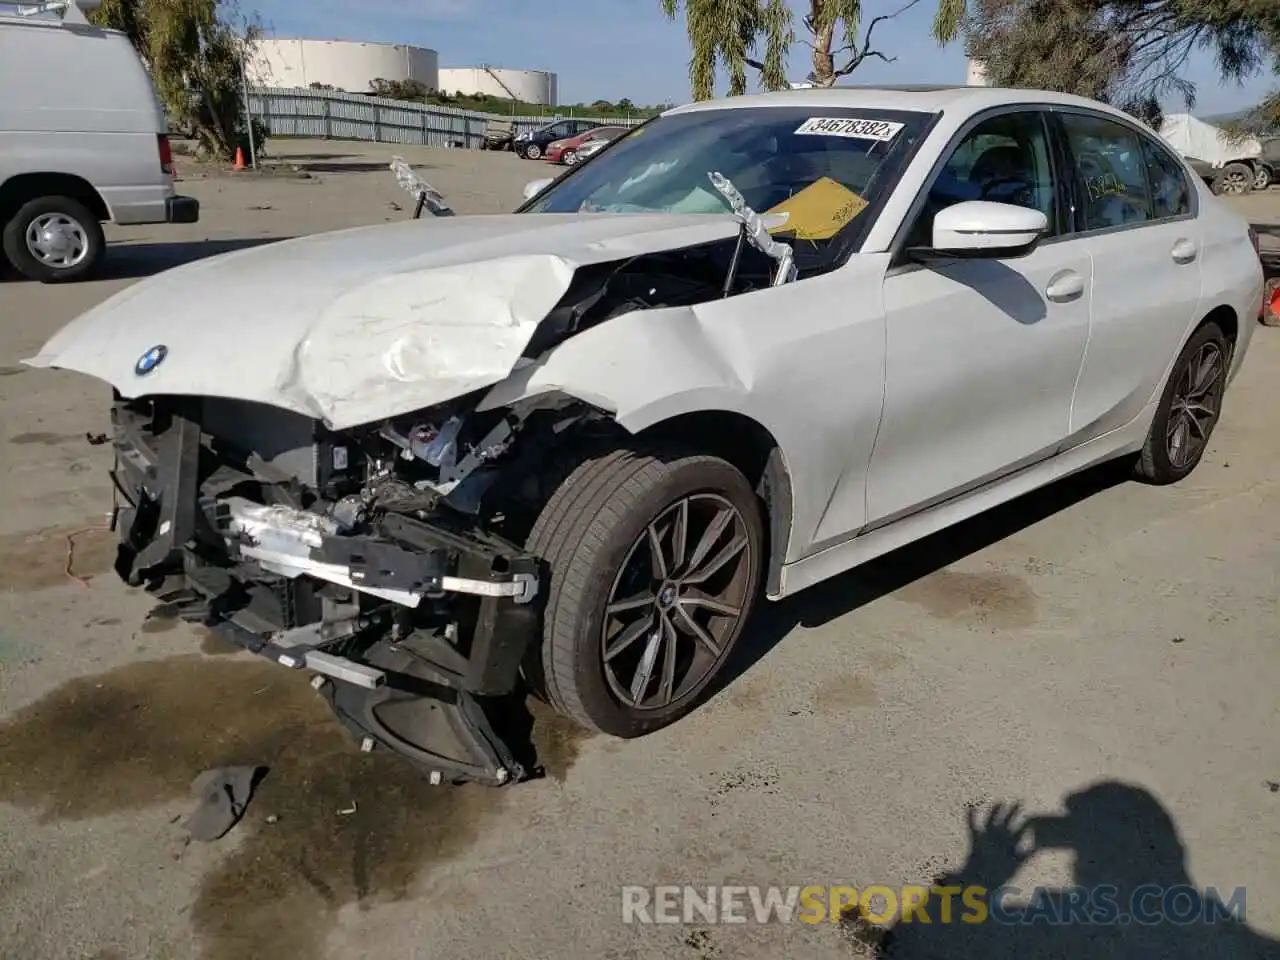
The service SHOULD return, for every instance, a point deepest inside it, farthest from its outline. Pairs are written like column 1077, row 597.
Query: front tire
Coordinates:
column 570, row 158
column 54, row 240
column 1262, row 177
column 654, row 560
column 1188, row 410
column 533, row 152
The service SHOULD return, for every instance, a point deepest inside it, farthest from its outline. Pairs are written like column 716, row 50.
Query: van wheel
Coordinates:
column 54, row 240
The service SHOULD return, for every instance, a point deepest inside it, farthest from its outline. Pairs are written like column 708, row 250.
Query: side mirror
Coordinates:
column 535, row 187
column 985, row 229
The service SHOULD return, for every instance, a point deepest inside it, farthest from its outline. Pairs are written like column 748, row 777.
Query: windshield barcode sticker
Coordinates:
column 882, row 130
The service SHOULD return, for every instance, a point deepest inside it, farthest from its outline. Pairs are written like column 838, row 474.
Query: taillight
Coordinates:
column 166, row 154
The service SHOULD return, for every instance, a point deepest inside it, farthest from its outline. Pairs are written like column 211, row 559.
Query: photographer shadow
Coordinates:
column 1129, row 862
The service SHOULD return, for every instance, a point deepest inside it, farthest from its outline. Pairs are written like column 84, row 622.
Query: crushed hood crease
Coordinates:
column 358, row 325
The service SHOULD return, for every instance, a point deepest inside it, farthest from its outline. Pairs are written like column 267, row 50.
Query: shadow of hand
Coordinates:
column 997, row 847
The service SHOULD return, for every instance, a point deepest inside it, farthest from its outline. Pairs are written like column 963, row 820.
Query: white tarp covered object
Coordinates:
column 1195, row 138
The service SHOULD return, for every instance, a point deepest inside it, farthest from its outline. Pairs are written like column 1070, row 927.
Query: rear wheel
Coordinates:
column 1188, row 410
column 1262, row 177
column 654, row 560
column 54, row 240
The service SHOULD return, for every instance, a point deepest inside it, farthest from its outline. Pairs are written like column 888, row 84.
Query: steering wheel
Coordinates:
column 1021, row 197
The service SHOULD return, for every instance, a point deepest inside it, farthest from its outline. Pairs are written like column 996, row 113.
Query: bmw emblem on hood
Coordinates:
column 151, row 359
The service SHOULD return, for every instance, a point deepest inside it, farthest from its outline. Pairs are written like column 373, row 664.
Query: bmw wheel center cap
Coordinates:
column 151, row 359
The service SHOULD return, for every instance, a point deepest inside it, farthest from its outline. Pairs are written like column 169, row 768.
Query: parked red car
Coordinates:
column 566, row 151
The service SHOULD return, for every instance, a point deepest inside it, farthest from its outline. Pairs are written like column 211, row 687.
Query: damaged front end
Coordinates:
column 290, row 506
column 369, row 557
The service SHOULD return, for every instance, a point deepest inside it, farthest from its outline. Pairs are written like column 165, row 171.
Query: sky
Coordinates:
column 610, row 49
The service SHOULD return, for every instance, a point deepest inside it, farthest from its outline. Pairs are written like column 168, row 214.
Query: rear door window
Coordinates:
column 1170, row 188
column 1111, row 172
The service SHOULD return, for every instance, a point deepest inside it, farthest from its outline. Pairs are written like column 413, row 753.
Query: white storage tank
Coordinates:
column 342, row 64
column 530, row 86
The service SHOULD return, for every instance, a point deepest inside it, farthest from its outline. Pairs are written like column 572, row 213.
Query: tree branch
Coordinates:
column 866, row 52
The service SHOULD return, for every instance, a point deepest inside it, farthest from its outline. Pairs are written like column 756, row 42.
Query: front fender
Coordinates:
column 805, row 361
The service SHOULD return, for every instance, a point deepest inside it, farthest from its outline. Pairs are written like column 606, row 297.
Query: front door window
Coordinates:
column 1004, row 159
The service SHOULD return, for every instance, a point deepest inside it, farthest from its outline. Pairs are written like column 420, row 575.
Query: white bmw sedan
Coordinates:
column 753, row 344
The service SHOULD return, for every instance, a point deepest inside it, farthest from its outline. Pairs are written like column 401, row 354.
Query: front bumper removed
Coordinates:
column 415, row 630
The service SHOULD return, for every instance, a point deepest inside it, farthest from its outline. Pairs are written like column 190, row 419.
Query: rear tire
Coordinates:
column 1262, row 177
column 594, row 536
column 1189, row 409
column 54, row 240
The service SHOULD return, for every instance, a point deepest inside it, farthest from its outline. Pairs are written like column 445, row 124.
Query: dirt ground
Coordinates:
column 1098, row 631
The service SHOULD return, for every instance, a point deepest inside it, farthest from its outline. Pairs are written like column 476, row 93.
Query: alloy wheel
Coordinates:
column 1195, row 405
column 676, row 602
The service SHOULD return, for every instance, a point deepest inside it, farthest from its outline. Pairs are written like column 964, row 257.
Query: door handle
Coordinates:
column 1184, row 251
column 1065, row 286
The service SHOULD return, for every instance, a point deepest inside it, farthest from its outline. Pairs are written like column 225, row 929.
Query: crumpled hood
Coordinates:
column 358, row 325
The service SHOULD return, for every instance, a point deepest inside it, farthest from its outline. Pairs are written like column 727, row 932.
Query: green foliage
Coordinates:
column 1127, row 52
column 413, row 90
column 196, row 57
column 726, row 33
column 737, row 34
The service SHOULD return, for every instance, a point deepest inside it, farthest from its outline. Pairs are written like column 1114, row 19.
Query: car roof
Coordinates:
column 919, row 97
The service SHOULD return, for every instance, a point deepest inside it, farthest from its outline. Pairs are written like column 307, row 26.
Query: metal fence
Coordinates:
column 344, row 116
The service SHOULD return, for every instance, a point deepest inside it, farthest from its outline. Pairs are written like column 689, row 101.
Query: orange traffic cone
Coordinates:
column 240, row 164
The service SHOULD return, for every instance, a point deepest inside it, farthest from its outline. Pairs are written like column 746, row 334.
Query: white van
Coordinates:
column 82, row 140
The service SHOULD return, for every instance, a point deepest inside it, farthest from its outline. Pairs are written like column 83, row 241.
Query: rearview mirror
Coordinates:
column 535, row 187
column 983, row 228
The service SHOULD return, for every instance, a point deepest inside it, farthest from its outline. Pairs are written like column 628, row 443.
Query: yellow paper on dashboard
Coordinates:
column 820, row 210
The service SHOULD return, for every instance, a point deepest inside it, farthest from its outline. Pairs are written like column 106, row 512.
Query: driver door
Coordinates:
column 982, row 355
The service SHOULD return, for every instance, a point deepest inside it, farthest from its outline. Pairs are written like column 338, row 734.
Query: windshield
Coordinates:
column 823, row 166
